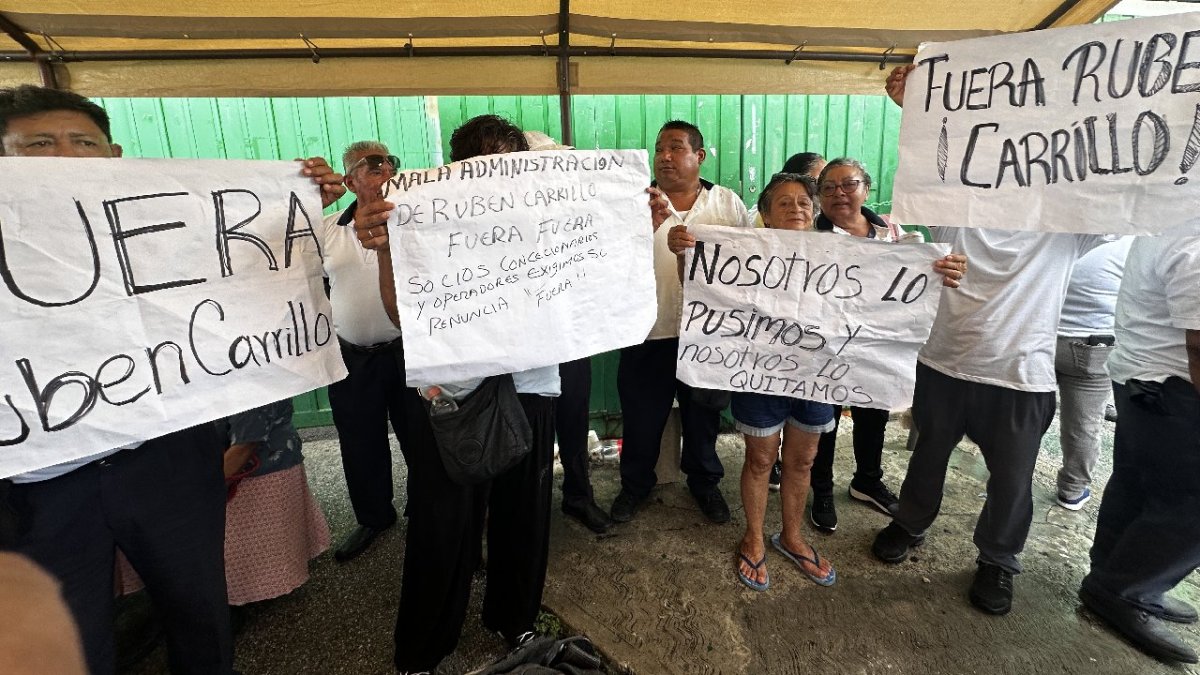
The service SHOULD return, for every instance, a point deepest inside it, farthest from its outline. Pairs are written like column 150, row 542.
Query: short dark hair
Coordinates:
column 695, row 138
column 486, row 135
column 810, row 186
column 28, row 99
column 801, row 162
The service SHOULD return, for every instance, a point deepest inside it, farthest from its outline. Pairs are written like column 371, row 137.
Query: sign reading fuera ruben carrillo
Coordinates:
column 807, row 315
column 516, row 261
column 1083, row 129
column 143, row 296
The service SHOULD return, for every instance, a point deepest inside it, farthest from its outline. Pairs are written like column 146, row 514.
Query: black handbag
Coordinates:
column 487, row 435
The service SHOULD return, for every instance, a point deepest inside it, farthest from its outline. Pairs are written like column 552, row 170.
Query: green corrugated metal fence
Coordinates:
column 747, row 137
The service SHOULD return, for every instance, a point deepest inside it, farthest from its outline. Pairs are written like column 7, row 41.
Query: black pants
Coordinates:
column 163, row 504
column 571, row 425
column 1148, row 530
column 1008, row 425
column 647, row 385
column 869, row 424
column 372, row 394
column 443, row 545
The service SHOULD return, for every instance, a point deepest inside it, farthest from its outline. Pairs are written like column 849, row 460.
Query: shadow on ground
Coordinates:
column 659, row 596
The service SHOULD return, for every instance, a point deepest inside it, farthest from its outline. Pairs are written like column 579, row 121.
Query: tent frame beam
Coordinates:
column 883, row 57
column 32, row 51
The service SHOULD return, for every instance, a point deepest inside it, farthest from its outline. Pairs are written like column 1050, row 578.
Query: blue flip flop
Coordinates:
column 815, row 561
column 749, row 581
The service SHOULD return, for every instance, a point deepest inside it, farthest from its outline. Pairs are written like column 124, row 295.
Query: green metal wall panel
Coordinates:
column 747, row 139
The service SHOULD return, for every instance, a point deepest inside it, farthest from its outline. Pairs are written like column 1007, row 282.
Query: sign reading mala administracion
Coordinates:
column 516, row 261
column 808, row 315
column 141, row 297
column 1082, row 129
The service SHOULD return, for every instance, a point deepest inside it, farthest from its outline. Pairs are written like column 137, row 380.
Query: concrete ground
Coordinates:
column 659, row 595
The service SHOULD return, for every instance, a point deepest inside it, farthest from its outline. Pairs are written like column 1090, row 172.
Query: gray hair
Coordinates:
column 846, row 161
column 368, row 147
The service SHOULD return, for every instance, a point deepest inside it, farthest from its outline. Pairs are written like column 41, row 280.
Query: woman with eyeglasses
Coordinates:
column 844, row 185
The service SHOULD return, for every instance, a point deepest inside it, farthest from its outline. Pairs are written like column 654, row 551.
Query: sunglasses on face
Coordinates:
column 847, row 186
column 375, row 163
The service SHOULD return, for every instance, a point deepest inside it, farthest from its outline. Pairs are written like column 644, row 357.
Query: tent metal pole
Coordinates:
column 388, row 52
column 35, row 53
column 564, row 71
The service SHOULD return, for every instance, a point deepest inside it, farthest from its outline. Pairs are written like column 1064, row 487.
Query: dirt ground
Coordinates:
column 659, row 596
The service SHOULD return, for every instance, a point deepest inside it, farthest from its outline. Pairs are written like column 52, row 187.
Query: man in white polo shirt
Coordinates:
column 374, row 391
column 1148, row 530
column 646, row 379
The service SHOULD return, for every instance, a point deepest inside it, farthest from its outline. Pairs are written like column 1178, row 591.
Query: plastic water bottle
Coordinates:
column 440, row 403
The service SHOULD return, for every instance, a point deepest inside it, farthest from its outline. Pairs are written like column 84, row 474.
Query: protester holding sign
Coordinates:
column 646, row 381
column 987, row 371
column 1148, row 531
column 374, row 390
column 786, row 203
column 844, row 186
column 162, row 501
column 446, row 519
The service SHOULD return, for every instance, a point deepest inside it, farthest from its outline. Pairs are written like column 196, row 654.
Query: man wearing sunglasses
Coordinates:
column 373, row 393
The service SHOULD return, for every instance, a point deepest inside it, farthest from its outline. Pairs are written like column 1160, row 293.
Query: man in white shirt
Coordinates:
column 1085, row 339
column 987, row 371
column 161, row 501
column 1148, row 530
column 646, row 379
column 374, row 390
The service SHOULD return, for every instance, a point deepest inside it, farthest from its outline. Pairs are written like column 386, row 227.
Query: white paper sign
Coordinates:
column 1084, row 129
column 141, row 297
column 809, row 315
column 510, row 262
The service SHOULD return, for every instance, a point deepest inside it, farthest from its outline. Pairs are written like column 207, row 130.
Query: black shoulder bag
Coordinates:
column 487, row 435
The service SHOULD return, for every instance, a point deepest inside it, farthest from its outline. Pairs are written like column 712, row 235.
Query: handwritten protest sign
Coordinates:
column 1083, row 129
column 145, row 296
column 808, row 315
column 509, row 262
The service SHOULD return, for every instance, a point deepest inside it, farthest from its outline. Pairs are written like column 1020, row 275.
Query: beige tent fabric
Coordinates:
column 145, row 31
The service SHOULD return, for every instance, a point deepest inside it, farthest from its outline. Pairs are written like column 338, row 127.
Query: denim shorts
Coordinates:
column 765, row 414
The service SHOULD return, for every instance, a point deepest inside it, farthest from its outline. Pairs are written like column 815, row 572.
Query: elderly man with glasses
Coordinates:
column 374, row 392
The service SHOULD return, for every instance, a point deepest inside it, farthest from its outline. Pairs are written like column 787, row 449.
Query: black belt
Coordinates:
column 372, row 349
column 1097, row 340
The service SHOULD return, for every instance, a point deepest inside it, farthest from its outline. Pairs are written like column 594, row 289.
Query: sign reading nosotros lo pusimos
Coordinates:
column 141, row 297
column 1083, row 129
column 808, row 315
column 510, row 262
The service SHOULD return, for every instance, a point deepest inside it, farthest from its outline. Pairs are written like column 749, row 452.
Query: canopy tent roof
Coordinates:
column 350, row 47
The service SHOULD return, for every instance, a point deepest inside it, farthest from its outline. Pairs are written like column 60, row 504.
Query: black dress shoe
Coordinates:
column 1146, row 631
column 356, row 542
column 592, row 516
column 624, row 506
column 712, row 505
column 1177, row 611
